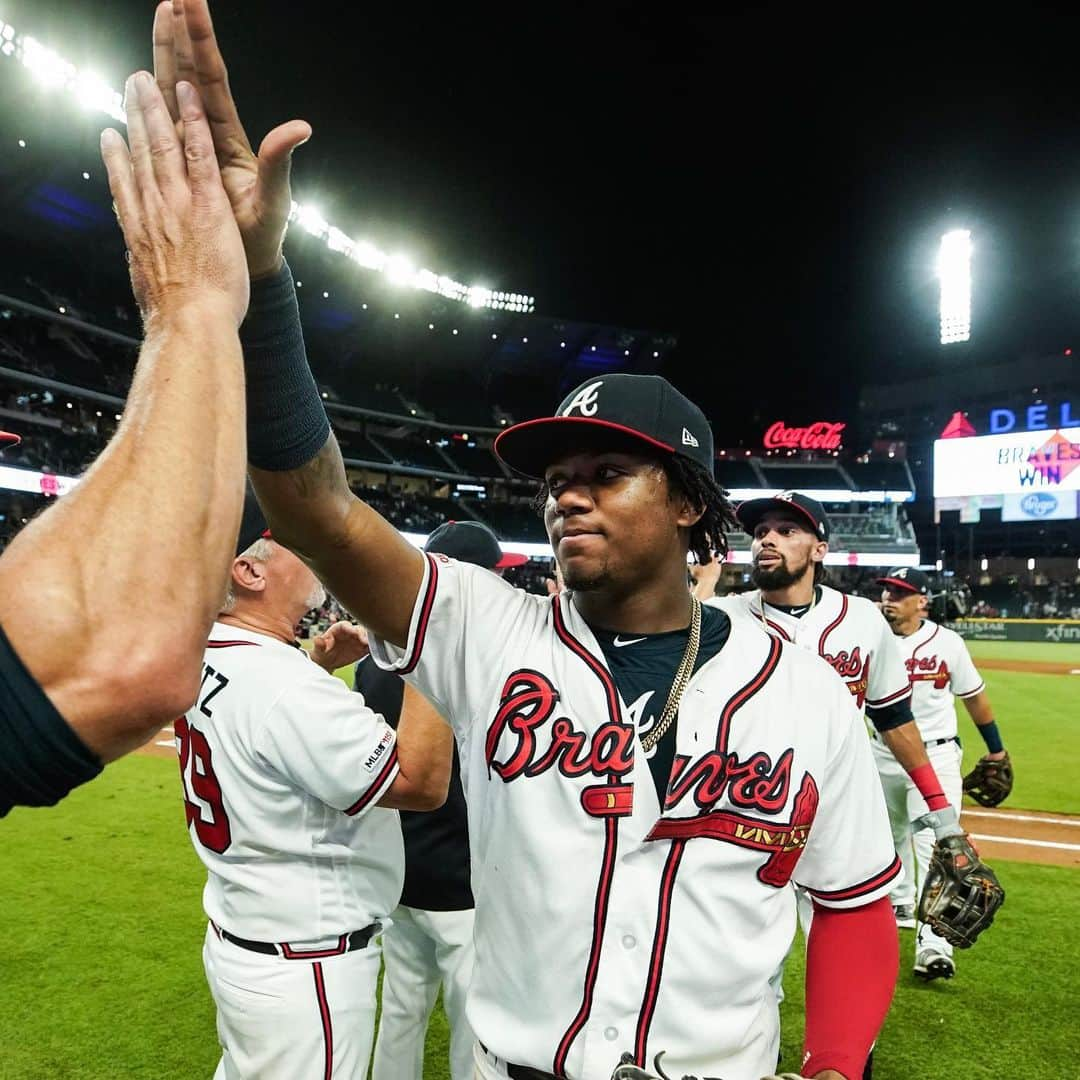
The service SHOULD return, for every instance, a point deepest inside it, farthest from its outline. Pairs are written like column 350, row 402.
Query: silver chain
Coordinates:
column 682, row 677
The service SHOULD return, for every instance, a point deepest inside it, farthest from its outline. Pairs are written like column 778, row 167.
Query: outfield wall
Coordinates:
column 1061, row 630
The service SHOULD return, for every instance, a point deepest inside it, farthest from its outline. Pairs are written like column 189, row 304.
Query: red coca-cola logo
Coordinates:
column 819, row 436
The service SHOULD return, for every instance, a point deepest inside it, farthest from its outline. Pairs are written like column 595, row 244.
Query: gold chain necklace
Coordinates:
column 682, row 677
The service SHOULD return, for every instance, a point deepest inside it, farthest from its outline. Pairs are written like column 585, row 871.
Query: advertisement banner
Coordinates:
column 1059, row 630
column 1013, row 464
column 1040, row 506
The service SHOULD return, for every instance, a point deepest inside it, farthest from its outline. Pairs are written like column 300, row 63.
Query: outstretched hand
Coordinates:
column 342, row 644
column 185, row 49
column 706, row 576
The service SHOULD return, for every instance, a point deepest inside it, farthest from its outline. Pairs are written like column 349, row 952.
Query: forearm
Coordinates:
column 126, row 572
column 851, row 967
column 978, row 708
column 299, row 475
column 425, row 746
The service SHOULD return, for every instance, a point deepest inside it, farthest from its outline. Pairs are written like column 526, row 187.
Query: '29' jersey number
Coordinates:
column 197, row 774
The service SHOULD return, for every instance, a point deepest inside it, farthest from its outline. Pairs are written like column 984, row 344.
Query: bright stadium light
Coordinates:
column 984, row 565
column 954, row 272
column 89, row 91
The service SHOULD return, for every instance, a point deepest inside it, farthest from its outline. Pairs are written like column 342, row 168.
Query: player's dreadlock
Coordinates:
column 709, row 535
column 688, row 478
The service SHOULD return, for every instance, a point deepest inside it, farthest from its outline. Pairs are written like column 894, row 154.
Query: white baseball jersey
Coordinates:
column 282, row 765
column 848, row 632
column 939, row 667
column 606, row 922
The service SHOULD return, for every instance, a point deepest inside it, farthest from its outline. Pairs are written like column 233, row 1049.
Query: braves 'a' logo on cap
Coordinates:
column 787, row 496
column 689, row 439
column 586, row 400
column 901, row 573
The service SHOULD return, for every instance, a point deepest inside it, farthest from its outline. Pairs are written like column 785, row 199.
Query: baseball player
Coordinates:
column 431, row 940
column 790, row 540
column 635, row 817
column 83, row 682
column 940, row 669
column 290, row 783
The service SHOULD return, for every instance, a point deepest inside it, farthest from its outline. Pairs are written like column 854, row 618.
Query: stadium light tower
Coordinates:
column 954, row 272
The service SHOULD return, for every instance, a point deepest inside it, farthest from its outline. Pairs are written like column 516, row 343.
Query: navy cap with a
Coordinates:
column 906, row 579
column 8, row 438
column 252, row 524
column 472, row 542
column 642, row 409
column 752, row 511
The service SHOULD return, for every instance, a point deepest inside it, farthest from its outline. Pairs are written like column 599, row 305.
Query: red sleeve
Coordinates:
column 851, row 967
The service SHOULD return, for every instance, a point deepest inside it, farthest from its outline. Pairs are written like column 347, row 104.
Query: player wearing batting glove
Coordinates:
column 644, row 777
column 960, row 895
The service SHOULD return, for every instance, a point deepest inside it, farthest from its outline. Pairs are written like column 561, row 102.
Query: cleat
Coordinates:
column 905, row 916
column 931, row 964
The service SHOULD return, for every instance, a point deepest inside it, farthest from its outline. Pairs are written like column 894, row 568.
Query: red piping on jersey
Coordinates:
column 914, row 651
column 324, row 1012
column 773, row 625
column 425, row 617
column 903, row 692
column 742, row 696
column 833, row 625
column 377, row 786
column 656, row 963
column 229, row 644
column 853, row 892
column 340, row 949
column 611, row 838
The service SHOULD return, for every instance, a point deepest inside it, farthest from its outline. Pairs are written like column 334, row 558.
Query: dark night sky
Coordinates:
column 771, row 189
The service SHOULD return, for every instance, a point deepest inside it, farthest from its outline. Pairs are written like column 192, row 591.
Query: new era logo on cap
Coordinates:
column 688, row 439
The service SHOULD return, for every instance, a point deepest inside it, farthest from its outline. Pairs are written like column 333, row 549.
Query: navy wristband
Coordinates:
column 286, row 421
column 992, row 737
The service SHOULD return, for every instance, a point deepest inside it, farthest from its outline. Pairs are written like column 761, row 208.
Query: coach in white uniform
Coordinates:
column 289, row 785
column 940, row 669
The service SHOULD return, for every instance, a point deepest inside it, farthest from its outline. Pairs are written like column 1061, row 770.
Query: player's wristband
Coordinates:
column 944, row 822
column 286, row 421
column 992, row 737
column 926, row 780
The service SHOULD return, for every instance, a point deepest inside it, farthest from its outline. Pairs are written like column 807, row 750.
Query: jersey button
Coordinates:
column 629, row 941
column 611, row 1034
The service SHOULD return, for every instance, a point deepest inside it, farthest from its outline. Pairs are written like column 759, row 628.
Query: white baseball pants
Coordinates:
column 905, row 805
column 281, row 1019
column 421, row 950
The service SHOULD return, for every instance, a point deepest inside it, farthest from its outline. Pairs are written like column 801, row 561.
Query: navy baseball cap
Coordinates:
column 472, row 542
column 252, row 524
column 645, row 410
column 906, row 579
column 9, row 439
column 752, row 511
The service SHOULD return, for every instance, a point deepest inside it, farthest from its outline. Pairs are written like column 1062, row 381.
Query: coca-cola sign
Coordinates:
column 822, row 435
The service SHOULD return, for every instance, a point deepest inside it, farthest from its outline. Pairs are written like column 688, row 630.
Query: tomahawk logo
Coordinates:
column 585, row 400
column 688, row 438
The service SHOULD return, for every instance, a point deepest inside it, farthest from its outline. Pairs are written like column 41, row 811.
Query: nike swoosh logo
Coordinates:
column 619, row 644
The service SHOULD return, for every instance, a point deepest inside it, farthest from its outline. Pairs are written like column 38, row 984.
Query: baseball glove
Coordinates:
column 961, row 894
column 990, row 782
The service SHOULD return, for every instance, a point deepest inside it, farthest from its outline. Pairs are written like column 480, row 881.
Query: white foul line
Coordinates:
column 1020, row 817
column 169, row 743
column 1021, row 840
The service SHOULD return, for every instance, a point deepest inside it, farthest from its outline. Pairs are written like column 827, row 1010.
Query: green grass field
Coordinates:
column 102, row 976
column 1056, row 652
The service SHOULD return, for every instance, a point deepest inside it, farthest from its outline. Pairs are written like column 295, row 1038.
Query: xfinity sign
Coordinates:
column 1037, row 417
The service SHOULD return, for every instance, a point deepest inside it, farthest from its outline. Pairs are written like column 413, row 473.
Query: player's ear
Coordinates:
column 249, row 574
column 821, row 549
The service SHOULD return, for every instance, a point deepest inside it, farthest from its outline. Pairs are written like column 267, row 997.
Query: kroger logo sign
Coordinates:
column 1039, row 504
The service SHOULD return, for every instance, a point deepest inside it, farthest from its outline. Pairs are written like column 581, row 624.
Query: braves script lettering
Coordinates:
column 928, row 669
column 853, row 669
column 529, row 701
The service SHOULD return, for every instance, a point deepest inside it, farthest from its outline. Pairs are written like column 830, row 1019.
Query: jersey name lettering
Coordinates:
column 853, row 669
column 528, row 702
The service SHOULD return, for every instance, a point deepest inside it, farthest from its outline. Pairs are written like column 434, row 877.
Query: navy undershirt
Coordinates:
column 644, row 666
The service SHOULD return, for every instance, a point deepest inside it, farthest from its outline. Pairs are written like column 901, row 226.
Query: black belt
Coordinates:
column 942, row 742
column 523, row 1072
column 358, row 939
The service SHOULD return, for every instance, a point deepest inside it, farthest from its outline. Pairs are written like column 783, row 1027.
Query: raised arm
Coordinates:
column 109, row 595
column 296, row 464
